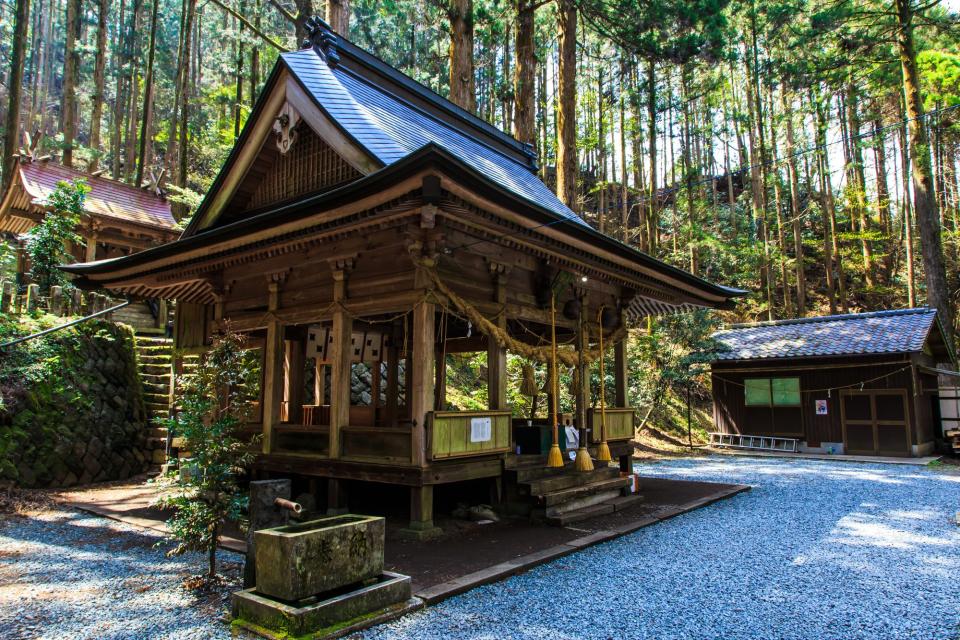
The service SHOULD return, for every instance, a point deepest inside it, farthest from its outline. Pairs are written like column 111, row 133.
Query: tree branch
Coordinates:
column 249, row 25
column 284, row 11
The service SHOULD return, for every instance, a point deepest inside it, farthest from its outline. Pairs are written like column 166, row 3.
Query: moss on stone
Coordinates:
column 72, row 407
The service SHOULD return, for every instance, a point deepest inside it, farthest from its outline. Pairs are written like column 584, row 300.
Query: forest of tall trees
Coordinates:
column 806, row 151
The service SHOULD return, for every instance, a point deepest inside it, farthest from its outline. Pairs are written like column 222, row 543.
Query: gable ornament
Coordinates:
column 320, row 35
column 285, row 126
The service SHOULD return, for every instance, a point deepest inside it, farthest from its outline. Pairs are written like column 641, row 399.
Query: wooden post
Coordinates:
column 56, row 300
column 7, row 289
column 421, row 392
column 162, row 313
column 33, row 296
column 294, row 357
column 91, row 253
column 341, row 358
column 497, row 355
column 273, row 365
column 620, row 373
column 421, row 525
column 76, row 301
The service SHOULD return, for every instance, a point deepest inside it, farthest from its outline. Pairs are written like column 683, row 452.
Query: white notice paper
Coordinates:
column 480, row 430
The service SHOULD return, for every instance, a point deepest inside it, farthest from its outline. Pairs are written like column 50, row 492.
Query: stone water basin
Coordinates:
column 311, row 558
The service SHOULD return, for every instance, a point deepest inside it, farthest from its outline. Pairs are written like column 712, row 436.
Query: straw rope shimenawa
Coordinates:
column 569, row 357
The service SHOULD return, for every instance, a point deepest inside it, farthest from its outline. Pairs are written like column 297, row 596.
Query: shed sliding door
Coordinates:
column 875, row 422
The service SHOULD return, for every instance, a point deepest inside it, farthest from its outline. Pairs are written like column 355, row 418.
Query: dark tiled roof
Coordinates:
column 390, row 128
column 107, row 198
column 878, row 332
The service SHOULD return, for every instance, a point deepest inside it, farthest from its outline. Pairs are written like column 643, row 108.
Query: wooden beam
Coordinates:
column 421, row 396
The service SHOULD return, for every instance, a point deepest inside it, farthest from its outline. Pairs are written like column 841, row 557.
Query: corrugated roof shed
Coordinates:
column 878, row 332
column 390, row 128
column 107, row 198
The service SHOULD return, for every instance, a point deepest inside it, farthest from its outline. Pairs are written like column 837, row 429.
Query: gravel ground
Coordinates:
column 816, row 550
column 66, row 574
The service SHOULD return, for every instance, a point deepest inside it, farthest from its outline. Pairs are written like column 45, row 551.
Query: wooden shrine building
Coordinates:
column 364, row 224
column 862, row 383
column 119, row 218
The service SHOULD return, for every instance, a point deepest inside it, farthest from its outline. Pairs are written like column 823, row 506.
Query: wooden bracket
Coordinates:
column 428, row 216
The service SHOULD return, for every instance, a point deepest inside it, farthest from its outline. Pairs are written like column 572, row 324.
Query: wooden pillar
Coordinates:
column 620, row 373
column 272, row 365
column 272, row 382
column 421, row 396
column 295, row 355
column 341, row 358
column 319, row 387
column 91, row 253
column 7, row 290
column 497, row 355
column 421, row 525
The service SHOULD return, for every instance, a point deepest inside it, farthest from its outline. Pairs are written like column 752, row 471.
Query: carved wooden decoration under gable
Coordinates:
column 310, row 166
column 285, row 126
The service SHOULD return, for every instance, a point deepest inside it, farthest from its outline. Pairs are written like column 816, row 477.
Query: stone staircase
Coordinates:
column 154, row 356
column 564, row 495
column 141, row 318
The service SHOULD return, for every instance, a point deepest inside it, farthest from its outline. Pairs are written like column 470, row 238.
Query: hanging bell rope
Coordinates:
column 603, row 451
column 554, row 458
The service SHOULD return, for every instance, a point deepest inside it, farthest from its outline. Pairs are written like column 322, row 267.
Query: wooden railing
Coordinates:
column 459, row 434
column 619, row 424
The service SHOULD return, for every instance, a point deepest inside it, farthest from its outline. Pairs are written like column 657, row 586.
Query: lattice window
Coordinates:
column 310, row 166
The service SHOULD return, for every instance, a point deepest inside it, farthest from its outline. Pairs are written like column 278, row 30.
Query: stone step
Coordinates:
column 157, row 406
column 155, row 398
column 158, row 456
column 155, row 387
column 582, row 502
column 157, row 360
column 156, row 443
column 157, row 432
column 578, row 515
column 558, row 482
column 154, row 369
column 564, row 496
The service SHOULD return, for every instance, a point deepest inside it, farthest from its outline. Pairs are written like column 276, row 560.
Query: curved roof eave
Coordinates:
column 412, row 162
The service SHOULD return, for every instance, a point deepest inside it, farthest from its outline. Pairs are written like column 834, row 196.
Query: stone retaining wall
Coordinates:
column 73, row 409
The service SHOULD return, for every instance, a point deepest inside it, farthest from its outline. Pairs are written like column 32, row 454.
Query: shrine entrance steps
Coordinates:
column 154, row 359
column 564, row 495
